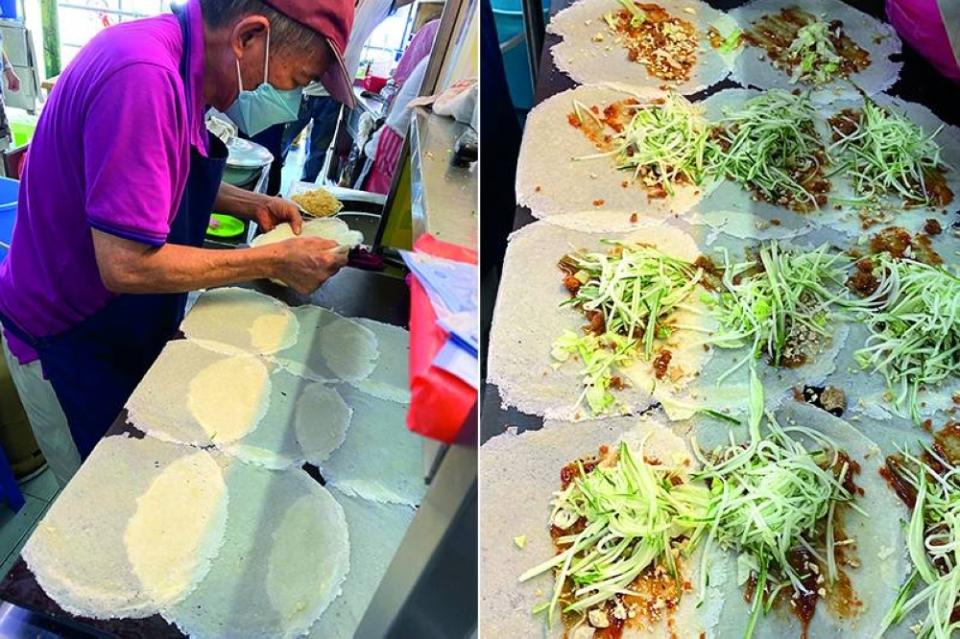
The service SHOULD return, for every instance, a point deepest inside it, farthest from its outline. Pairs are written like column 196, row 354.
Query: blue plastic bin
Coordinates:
column 8, row 211
column 8, row 10
column 508, row 17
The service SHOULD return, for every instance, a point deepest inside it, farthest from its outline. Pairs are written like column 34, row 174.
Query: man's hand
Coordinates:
column 308, row 262
column 270, row 211
column 266, row 211
column 13, row 80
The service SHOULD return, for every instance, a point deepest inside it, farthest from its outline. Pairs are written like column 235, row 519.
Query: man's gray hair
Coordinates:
column 284, row 32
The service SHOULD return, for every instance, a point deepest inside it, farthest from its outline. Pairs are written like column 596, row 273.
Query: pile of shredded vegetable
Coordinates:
column 884, row 153
column 781, row 303
column 636, row 287
column 769, row 497
column 813, row 54
column 915, row 335
column 933, row 540
column 634, row 515
column 771, row 147
column 600, row 355
column 631, row 291
column 661, row 145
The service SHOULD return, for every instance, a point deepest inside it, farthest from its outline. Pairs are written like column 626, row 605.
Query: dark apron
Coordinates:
column 95, row 365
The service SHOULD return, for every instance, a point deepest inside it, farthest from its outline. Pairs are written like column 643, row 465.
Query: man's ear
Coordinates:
column 246, row 32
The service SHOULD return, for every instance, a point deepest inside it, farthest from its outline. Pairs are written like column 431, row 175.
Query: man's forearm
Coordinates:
column 235, row 201
column 131, row 267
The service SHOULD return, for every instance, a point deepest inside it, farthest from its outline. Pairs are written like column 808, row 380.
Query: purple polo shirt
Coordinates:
column 111, row 152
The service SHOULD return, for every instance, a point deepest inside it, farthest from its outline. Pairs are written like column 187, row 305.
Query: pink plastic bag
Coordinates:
column 920, row 24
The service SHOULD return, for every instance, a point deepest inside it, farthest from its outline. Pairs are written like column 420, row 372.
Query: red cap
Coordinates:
column 333, row 20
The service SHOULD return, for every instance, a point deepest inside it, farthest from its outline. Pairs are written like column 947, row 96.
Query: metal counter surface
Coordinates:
column 918, row 82
column 351, row 292
column 444, row 197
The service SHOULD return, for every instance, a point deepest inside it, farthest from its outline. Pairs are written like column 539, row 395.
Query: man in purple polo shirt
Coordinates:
column 116, row 195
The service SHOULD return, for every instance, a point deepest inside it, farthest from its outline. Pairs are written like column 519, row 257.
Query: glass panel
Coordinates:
column 81, row 20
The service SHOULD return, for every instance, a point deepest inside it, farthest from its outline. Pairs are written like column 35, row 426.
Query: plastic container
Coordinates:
column 373, row 83
column 8, row 211
column 508, row 16
column 8, row 10
column 22, row 132
column 225, row 226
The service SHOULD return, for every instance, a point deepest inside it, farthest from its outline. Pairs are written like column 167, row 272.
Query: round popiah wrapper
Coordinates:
column 587, row 61
column 880, row 543
column 380, row 459
column 133, row 531
column 198, row 396
column 550, row 181
column 285, row 556
column 848, row 221
column 305, row 421
column 376, row 531
column 329, row 347
column 528, row 318
column 521, row 473
column 390, row 378
column 238, row 318
column 753, row 68
column 329, row 228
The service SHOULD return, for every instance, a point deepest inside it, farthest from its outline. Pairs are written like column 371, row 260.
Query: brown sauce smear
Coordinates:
column 862, row 281
column 845, row 123
column 894, row 240
column 899, row 244
column 661, row 362
column 712, row 279
column 937, row 189
column 903, row 489
column 932, row 227
column 659, row 598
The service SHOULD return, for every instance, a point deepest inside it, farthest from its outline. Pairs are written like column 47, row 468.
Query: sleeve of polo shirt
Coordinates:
column 132, row 157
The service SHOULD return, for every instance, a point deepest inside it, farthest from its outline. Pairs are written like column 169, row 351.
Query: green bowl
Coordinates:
column 227, row 226
column 22, row 132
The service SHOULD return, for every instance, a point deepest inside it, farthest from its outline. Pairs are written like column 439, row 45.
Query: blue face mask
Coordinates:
column 259, row 109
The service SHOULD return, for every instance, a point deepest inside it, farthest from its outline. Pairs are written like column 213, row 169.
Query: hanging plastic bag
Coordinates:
column 440, row 402
column 932, row 28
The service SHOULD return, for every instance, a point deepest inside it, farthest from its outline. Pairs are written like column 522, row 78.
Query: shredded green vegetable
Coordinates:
column 770, row 498
column 915, row 335
column 633, row 515
column 813, row 54
column 637, row 14
column 771, row 147
column 887, row 154
column 661, row 145
column 933, row 540
column 635, row 288
column 600, row 356
column 782, row 303
column 731, row 42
